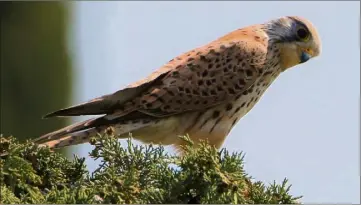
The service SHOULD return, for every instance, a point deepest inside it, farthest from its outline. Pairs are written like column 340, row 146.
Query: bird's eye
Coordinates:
column 303, row 34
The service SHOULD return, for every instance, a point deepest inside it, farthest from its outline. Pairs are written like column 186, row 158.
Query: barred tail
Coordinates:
column 82, row 132
column 73, row 138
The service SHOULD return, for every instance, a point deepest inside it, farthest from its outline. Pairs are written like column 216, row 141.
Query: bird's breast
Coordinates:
column 214, row 124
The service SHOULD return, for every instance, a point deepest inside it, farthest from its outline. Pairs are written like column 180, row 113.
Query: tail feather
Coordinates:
column 82, row 132
column 72, row 139
column 91, row 123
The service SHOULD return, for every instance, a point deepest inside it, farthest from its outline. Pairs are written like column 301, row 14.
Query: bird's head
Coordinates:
column 297, row 38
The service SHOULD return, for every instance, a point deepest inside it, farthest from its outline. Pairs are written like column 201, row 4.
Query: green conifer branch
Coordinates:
column 133, row 174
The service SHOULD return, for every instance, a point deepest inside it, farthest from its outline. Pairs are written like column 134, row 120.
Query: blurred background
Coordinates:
column 36, row 66
column 57, row 54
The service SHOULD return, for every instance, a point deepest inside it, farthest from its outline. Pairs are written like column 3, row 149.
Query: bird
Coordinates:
column 201, row 93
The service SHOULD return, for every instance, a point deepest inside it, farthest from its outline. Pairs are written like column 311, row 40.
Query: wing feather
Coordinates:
column 108, row 103
column 205, row 77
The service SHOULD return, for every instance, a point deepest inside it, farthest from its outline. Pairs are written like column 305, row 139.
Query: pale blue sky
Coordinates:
column 306, row 126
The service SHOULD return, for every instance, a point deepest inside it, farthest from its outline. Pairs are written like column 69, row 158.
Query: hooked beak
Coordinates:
column 306, row 55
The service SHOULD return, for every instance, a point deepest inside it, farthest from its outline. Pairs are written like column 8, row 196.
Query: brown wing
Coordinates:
column 108, row 103
column 203, row 78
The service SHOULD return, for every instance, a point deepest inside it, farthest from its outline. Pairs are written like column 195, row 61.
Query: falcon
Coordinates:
column 202, row 93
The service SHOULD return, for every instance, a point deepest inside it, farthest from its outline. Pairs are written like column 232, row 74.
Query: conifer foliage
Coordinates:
column 133, row 175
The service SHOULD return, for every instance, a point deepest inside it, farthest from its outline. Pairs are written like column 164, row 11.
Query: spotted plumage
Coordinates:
column 202, row 93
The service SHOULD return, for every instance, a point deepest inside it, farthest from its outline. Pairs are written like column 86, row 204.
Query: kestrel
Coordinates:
column 203, row 92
